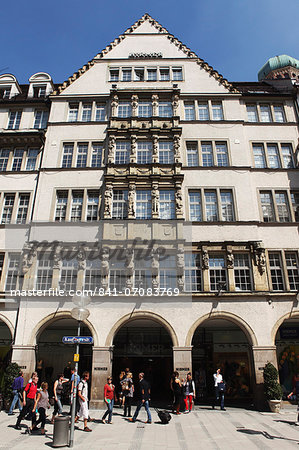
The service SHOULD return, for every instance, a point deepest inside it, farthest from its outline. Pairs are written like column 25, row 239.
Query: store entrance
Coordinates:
column 54, row 357
column 220, row 343
column 143, row 345
column 5, row 351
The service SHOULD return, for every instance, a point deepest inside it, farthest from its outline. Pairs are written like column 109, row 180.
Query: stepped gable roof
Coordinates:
column 162, row 30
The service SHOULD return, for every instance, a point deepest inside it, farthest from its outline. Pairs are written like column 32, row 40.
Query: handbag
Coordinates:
column 222, row 386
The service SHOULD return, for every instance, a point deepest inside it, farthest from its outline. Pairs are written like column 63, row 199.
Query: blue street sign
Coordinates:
column 77, row 339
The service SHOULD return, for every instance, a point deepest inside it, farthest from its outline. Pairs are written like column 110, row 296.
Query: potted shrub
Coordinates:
column 11, row 372
column 272, row 389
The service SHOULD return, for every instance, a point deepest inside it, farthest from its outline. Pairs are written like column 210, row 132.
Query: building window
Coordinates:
column 217, row 273
column 293, row 270
column 40, row 119
column 242, row 272
column 120, row 204
column 207, row 154
column 100, row 113
column 211, row 206
column 192, row 272
column 14, row 120
column 86, row 112
column 44, row 273
column 203, row 111
column 142, row 271
column 221, row 154
column 265, row 113
column 267, row 206
column 287, row 156
column 139, row 74
column 145, row 109
column 114, row 74
column 82, row 151
column 273, row 156
column 259, row 156
column 4, row 155
column 278, row 113
column 96, row 155
column 124, row 109
column 143, row 204
column 276, row 272
column 77, row 203
column 5, row 91
column 12, row 272
column 68, row 275
column 126, row 74
column 32, row 154
column 144, row 152
column 164, row 74
column 165, row 109
column 217, row 111
column 61, row 205
column 23, row 208
column 282, row 207
column 192, row 154
column 39, row 91
column 195, row 206
column 17, row 160
column 122, row 152
column 166, row 202
column 152, row 74
column 93, row 276
column 117, row 274
column 295, row 204
column 167, row 272
column 166, row 155
column 92, row 205
column 73, row 112
column 9, row 200
column 227, row 210
column 177, row 74
column 67, row 156
column 252, row 113
column 189, row 111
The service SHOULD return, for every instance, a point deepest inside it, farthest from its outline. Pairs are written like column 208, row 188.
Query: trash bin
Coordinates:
column 61, row 431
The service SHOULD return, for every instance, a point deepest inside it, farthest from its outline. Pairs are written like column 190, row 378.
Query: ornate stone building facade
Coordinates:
column 171, row 195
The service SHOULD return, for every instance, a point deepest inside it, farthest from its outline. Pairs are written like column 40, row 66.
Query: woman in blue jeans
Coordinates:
column 58, row 388
column 109, row 389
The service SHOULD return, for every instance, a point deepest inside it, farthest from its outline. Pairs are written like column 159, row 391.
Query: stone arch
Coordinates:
column 141, row 315
column 9, row 324
column 222, row 315
column 279, row 322
column 46, row 321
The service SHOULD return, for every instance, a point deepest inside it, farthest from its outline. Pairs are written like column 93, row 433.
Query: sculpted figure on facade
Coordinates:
column 180, row 261
column 57, row 259
column 230, row 259
column 259, row 257
column 155, row 201
column 155, row 262
column 131, row 201
column 114, row 105
column 155, row 104
column 28, row 256
column 205, row 259
column 175, row 104
column 155, row 148
column 133, row 148
column 81, row 258
column 108, row 201
column 134, row 104
column 179, row 203
column 111, row 149
column 176, row 148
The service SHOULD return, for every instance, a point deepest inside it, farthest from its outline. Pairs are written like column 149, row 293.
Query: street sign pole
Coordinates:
column 74, row 394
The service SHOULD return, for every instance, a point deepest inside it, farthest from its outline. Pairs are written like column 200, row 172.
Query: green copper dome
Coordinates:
column 277, row 62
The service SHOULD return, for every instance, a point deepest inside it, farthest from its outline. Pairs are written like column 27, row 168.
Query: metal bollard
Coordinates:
column 61, row 431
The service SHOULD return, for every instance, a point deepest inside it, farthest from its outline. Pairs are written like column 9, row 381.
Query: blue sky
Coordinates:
column 236, row 37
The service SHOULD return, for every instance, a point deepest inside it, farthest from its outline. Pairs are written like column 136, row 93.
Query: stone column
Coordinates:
column 182, row 360
column 261, row 356
column 24, row 356
column 101, row 369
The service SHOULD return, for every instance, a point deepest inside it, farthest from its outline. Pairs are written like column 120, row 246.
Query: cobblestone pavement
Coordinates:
column 203, row 428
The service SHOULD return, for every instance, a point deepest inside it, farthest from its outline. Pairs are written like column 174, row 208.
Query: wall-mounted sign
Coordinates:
column 76, row 357
column 146, row 55
column 77, row 339
column 101, row 368
column 185, row 369
column 289, row 333
column 23, row 367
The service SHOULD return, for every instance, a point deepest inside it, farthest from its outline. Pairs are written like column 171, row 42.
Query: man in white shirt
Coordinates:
column 218, row 392
column 83, row 400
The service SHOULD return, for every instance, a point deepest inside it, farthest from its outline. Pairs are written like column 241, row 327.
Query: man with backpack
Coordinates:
column 29, row 395
column 83, row 400
column 17, row 388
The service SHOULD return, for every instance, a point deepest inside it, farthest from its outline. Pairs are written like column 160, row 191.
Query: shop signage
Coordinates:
column 186, row 369
column 77, row 339
column 289, row 333
column 101, row 368
column 23, row 367
column 76, row 357
column 146, row 55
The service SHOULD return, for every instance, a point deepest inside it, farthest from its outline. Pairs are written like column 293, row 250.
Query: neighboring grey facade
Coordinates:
column 148, row 141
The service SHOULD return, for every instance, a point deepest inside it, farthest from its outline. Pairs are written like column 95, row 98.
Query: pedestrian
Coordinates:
column 219, row 389
column 176, row 387
column 17, row 387
column 296, row 391
column 109, row 394
column 128, row 392
column 121, row 398
column 143, row 395
column 29, row 395
column 58, row 388
column 41, row 404
column 77, row 407
column 189, row 392
column 83, row 400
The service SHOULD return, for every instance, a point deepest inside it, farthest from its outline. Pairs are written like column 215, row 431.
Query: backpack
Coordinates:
column 164, row 416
